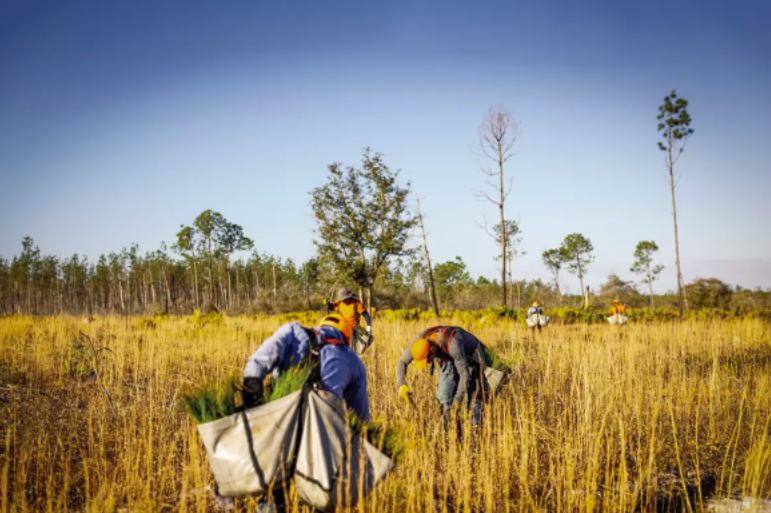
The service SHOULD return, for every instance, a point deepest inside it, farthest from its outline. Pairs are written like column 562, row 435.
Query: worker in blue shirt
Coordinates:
column 341, row 370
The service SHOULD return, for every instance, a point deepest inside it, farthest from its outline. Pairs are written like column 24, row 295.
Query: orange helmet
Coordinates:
column 336, row 321
column 419, row 350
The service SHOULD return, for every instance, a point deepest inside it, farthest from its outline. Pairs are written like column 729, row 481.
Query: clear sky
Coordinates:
column 121, row 120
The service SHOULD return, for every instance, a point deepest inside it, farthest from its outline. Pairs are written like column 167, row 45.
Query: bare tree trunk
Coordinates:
column 168, row 292
column 432, row 289
column 680, row 291
column 195, row 280
column 238, row 286
column 581, row 279
column 120, row 292
column 227, row 270
column 274, row 279
column 503, row 229
column 650, row 284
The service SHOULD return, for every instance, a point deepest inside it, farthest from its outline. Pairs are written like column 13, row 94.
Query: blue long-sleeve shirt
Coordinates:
column 343, row 374
column 342, row 371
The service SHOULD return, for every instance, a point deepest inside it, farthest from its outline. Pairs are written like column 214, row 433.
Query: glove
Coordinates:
column 253, row 392
column 405, row 393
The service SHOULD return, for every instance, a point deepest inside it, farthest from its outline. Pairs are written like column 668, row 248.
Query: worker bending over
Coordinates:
column 340, row 371
column 461, row 360
column 334, row 366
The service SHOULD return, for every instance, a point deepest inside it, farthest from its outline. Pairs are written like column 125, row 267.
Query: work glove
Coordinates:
column 253, row 392
column 405, row 393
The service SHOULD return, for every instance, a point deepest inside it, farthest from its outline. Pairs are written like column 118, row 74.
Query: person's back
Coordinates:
column 343, row 374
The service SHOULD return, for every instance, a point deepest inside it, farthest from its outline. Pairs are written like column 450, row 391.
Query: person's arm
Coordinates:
column 262, row 363
column 267, row 357
column 461, row 366
column 401, row 367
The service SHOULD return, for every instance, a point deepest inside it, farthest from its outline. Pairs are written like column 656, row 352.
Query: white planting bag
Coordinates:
column 618, row 319
column 495, row 378
column 247, row 461
column 537, row 320
column 335, row 468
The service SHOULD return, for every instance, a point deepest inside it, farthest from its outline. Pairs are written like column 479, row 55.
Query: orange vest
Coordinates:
column 350, row 313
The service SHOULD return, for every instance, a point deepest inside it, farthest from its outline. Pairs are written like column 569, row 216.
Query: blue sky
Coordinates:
column 121, row 120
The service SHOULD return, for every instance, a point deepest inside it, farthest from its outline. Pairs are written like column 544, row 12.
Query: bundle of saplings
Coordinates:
column 216, row 400
column 386, row 439
column 212, row 401
column 492, row 359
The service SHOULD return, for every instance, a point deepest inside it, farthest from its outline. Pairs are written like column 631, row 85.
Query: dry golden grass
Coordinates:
column 597, row 418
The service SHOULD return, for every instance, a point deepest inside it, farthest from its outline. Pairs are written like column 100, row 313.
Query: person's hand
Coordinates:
column 253, row 392
column 405, row 393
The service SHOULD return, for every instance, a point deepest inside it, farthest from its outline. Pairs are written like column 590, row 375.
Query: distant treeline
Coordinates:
column 131, row 283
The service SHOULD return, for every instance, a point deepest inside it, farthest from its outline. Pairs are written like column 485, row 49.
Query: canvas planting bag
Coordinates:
column 618, row 319
column 335, row 468
column 253, row 450
column 537, row 320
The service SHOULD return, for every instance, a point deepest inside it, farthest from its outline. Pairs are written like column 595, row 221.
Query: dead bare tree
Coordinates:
column 432, row 289
column 497, row 135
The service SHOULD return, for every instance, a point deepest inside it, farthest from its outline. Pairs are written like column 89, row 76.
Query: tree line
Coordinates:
column 365, row 224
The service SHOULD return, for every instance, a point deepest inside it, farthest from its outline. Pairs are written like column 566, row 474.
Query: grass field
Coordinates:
column 646, row 417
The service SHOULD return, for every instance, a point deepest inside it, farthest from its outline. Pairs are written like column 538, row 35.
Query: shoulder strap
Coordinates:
column 430, row 331
column 446, row 338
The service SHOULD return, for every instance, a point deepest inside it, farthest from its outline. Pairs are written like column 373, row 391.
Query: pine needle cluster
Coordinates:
column 288, row 382
column 492, row 359
column 386, row 439
column 212, row 401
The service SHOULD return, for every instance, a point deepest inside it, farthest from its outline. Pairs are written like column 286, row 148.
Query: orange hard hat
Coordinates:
column 336, row 321
column 419, row 350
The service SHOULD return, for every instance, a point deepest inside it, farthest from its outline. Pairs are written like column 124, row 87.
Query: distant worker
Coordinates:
column 461, row 361
column 617, row 308
column 618, row 313
column 339, row 371
column 534, row 318
column 347, row 304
